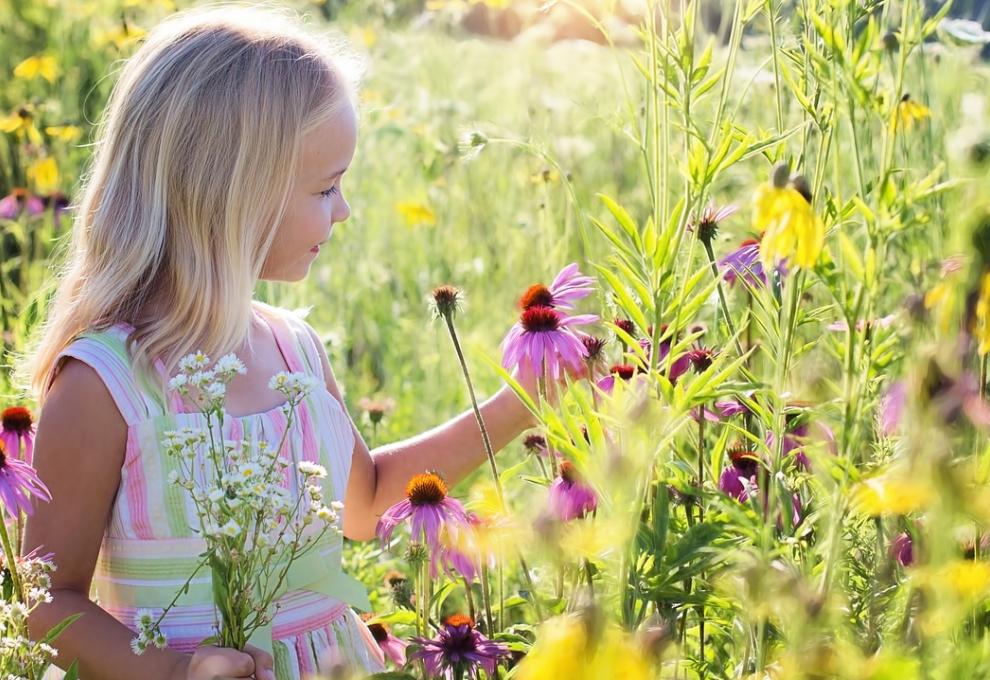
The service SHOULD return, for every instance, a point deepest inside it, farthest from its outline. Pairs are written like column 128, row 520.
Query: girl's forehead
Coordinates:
column 328, row 148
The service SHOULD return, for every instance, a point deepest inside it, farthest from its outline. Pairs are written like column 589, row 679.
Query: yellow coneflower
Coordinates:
column 21, row 123
column 415, row 213
column 43, row 174
column 65, row 133
column 37, row 66
column 791, row 230
column 910, row 112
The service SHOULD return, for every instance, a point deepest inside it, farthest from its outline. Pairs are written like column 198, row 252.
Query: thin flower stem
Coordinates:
column 11, row 559
column 477, row 411
column 542, row 392
column 486, row 599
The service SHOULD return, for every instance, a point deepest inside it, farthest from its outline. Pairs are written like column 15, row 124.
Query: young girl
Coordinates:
column 219, row 163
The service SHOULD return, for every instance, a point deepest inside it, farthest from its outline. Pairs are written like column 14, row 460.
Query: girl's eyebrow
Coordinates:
column 335, row 175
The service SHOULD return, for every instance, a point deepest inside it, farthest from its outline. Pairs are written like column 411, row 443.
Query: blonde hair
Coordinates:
column 196, row 155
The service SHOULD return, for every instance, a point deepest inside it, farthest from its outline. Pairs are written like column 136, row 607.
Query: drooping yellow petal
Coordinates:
column 43, row 174
column 33, row 67
column 415, row 213
column 791, row 230
column 66, row 133
column 564, row 650
column 891, row 496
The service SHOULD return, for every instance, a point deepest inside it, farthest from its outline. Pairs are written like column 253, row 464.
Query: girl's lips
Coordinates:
column 315, row 249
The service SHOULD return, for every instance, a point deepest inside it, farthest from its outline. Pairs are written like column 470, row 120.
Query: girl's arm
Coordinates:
column 79, row 452
column 455, row 448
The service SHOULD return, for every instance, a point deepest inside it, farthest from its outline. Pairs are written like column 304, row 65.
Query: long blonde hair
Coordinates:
column 196, row 155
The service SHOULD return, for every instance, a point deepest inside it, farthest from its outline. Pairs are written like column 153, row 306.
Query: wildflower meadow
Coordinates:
column 734, row 257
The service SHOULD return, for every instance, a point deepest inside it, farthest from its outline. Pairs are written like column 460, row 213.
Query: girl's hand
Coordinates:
column 219, row 663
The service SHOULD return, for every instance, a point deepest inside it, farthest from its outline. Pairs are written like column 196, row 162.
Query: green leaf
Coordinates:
column 59, row 627
column 624, row 219
column 398, row 617
column 73, row 672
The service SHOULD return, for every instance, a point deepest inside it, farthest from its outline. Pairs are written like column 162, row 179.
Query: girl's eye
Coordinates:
column 329, row 192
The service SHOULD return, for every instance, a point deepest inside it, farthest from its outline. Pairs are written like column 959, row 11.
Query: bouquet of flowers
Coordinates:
column 253, row 530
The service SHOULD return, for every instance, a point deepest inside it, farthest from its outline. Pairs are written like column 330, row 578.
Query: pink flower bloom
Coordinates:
column 543, row 339
column 739, row 479
column 902, row 549
column 892, row 407
column 17, row 428
column 723, row 410
column 18, row 483
column 17, row 200
column 570, row 498
column 459, row 650
column 621, row 371
column 568, row 286
column 429, row 510
column 393, row 647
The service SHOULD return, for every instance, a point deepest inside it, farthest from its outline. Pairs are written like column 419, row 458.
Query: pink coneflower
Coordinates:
column 701, row 358
column 799, row 431
column 568, row 286
column 739, row 479
column 429, row 510
column 744, row 262
column 536, row 444
column 393, row 647
column 622, row 371
column 16, row 428
column 723, row 410
column 892, row 407
column 543, row 339
column 17, row 200
column 18, row 483
column 711, row 216
column 459, row 650
column 570, row 498
column 627, row 326
column 902, row 549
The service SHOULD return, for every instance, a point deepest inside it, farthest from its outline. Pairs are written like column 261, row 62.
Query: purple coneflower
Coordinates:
column 723, row 410
column 536, row 444
column 892, row 407
column 701, row 358
column 622, row 371
column 17, row 200
column 902, row 549
column 18, row 483
column 459, row 650
column 711, row 216
column 570, row 498
column 393, row 647
column 799, row 431
column 16, row 428
column 429, row 509
column 739, row 479
column 543, row 339
column 744, row 262
column 568, row 286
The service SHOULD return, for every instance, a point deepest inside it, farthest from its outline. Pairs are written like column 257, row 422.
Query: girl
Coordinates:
column 219, row 163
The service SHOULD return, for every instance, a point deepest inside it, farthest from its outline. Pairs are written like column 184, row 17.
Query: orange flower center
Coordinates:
column 568, row 472
column 426, row 489
column 459, row 620
column 536, row 295
column 16, row 419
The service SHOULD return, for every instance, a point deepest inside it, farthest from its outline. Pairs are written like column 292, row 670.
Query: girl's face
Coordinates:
column 316, row 200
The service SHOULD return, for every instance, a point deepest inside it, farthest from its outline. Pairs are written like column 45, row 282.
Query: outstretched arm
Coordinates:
column 455, row 448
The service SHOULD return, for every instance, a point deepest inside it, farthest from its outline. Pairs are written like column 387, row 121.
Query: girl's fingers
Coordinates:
column 264, row 664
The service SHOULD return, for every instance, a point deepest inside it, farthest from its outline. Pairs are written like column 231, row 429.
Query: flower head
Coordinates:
column 543, row 340
column 739, row 480
column 622, row 371
column 17, row 200
column 429, row 510
column 570, row 498
column 911, row 112
column 445, row 301
column 376, row 408
column 18, row 483
column 707, row 227
column 393, row 647
column 17, row 428
column 902, row 549
column 744, row 262
column 459, row 650
column 791, row 230
column 567, row 287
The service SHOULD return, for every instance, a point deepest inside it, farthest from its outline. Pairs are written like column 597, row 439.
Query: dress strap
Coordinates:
column 295, row 340
column 106, row 352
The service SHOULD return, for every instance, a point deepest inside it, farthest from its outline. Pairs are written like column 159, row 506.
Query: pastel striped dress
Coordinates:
column 149, row 548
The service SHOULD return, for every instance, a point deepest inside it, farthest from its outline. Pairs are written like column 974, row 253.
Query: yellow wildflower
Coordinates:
column 968, row 578
column 36, row 66
column 910, row 112
column 982, row 322
column 415, row 213
column 122, row 36
column 21, row 122
column 790, row 228
column 891, row 496
column 364, row 35
column 563, row 650
column 66, row 133
column 43, row 174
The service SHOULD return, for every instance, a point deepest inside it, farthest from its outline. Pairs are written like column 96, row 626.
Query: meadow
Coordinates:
column 780, row 464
